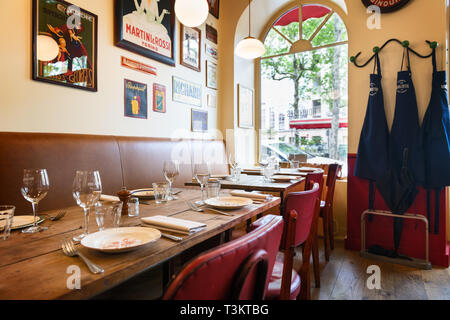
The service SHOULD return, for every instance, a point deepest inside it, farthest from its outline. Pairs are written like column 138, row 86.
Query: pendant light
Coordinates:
column 192, row 13
column 250, row 47
column 47, row 48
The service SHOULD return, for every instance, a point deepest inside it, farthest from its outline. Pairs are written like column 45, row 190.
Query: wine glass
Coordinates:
column 35, row 187
column 202, row 173
column 87, row 189
column 171, row 171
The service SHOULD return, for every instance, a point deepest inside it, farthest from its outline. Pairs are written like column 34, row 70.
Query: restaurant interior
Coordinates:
column 224, row 150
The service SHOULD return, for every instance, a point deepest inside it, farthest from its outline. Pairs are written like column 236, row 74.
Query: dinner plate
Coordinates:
column 284, row 178
column 229, row 203
column 20, row 222
column 307, row 169
column 121, row 239
column 144, row 194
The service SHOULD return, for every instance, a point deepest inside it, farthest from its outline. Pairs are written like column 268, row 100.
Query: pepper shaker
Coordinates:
column 124, row 196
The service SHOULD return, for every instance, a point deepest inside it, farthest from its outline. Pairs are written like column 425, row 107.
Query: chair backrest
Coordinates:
column 237, row 270
column 333, row 173
column 315, row 177
column 324, row 167
column 304, row 204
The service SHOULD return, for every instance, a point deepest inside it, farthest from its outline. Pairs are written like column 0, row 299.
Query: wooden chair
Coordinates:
column 237, row 270
column 326, row 209
column 300, row 230
column 324, row 167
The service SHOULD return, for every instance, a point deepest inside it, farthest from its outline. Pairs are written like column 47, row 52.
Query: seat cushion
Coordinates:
column 274, row 289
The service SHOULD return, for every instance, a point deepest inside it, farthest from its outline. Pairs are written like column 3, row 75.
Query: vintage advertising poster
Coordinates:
column 211, row 52
column 138, row 66
column 72, row 33
column 147, row 27
column 190, row 47
column 211, row 75
column 214, row 8
column 211, row 34
column 159, row 98
column 136, row 99
column 246, row 107
column 187, row 92
column 199, row 120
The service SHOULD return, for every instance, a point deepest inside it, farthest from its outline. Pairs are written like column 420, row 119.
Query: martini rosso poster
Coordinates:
column 147, row 27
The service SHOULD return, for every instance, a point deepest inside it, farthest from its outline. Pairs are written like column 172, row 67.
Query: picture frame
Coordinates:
column 186, row 92
column 214, row 8
column 211, row 34
column 135, row 99
column 211, row 52
column 159, row 98
column 246, row 107
column 74, row 31
column 134, row 32
column 199, row 120
column 190, row 47
column 211, row 100
column 211, row 75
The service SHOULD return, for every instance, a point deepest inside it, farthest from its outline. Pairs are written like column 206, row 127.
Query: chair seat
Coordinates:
column 274, row 289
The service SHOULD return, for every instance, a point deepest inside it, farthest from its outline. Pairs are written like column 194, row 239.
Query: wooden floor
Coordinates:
column 343, row 278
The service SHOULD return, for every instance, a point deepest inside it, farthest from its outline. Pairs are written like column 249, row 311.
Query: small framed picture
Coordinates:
column 211, row 75
column 159, row 98
column 211, row 34
column 199, row 120
column 214, row 8
column 211, row 100
column 136, row 99
column 246, row 105
column 211, row 52
column 190, row 54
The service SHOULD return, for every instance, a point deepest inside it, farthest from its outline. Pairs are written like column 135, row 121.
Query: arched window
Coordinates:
column 304, row 74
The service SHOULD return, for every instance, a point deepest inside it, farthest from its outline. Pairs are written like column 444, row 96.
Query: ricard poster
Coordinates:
column 147, row 27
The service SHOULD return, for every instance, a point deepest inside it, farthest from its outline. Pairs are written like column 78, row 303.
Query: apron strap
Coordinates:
column 377, row 65
column 433, row 58
column 406, row 53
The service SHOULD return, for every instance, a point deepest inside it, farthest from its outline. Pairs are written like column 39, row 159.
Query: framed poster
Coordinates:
column 135, row 99
column 211, row 75
column 214, row 8
column 186, row 92
column 246, row 107
column 159, row 98
column 211, row 34
column 147, row 28
column 72, row 32
column 138, row 66
column 199, row 121
column 190, row 54
column 211, row 52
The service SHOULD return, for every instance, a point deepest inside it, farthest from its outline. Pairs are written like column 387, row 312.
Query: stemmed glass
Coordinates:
column 171, row 171
column 35, row 187
column 87, row 190
column 202, row 173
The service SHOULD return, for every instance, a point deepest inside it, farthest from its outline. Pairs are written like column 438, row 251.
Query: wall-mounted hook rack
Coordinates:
column 405, row 44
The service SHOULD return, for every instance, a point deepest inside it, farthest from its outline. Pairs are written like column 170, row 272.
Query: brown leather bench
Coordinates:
column 122, row 161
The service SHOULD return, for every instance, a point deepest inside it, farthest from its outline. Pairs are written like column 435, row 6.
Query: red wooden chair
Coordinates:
column 237, row 270
column 326, row 209
column 300, row 230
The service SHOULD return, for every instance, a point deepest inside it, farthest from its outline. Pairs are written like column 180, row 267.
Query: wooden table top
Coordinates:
column 255, row 183
column 34, row 266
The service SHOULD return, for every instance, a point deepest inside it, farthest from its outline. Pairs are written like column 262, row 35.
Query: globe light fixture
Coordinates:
column 250, row 47
column 192, row 13
column 47, row 48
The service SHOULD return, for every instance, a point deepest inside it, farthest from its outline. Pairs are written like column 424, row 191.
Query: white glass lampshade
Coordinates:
column 250, row 48
column 192, row 13
column 47, row 48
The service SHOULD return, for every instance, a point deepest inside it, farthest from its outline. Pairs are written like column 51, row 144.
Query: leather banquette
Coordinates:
column 133, row 162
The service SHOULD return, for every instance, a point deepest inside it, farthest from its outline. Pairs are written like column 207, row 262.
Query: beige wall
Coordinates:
column 31, row 106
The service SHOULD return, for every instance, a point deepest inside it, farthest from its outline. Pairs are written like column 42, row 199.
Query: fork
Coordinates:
column 69, row 249
column 59, row 216
column 195, row 208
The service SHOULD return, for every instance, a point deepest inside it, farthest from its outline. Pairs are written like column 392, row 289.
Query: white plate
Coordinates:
column 121, row 240
column 143, row 193
column 284, row 178
column 20, row 222
column 307, row 169
column 228, row 202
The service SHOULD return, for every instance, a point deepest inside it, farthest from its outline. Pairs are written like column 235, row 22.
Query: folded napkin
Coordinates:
column 251, row 195
column 107, row 198
column 172, row 224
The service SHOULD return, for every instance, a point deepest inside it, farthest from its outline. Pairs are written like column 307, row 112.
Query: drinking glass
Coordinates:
column 236, row 174
column 213, row 189
column 202, row 173
column 232, row 161
column 87, row 189
column 6, row 221
column 35, row 187
column 295, row 164
column 133, row 207
column 160, row 190
column 108, row 214
column 268, row 172
column 171, row 171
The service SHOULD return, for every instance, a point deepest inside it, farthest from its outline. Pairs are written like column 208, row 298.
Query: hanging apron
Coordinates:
column 436, row 135
column 406, row 136
column 372, row 158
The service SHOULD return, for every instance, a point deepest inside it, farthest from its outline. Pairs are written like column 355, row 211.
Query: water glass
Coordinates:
column 160, row 190
column 268, row 172
column 108, row 214
column 236, row 174
column 133, row 207
column 213, row 189
column 295, row 164
column 6, row 221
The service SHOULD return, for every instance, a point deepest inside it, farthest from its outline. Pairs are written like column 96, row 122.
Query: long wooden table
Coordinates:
column 34, row 267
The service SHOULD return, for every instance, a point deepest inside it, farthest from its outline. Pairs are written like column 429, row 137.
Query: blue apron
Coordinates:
column 436, row 135
column 406, row 136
